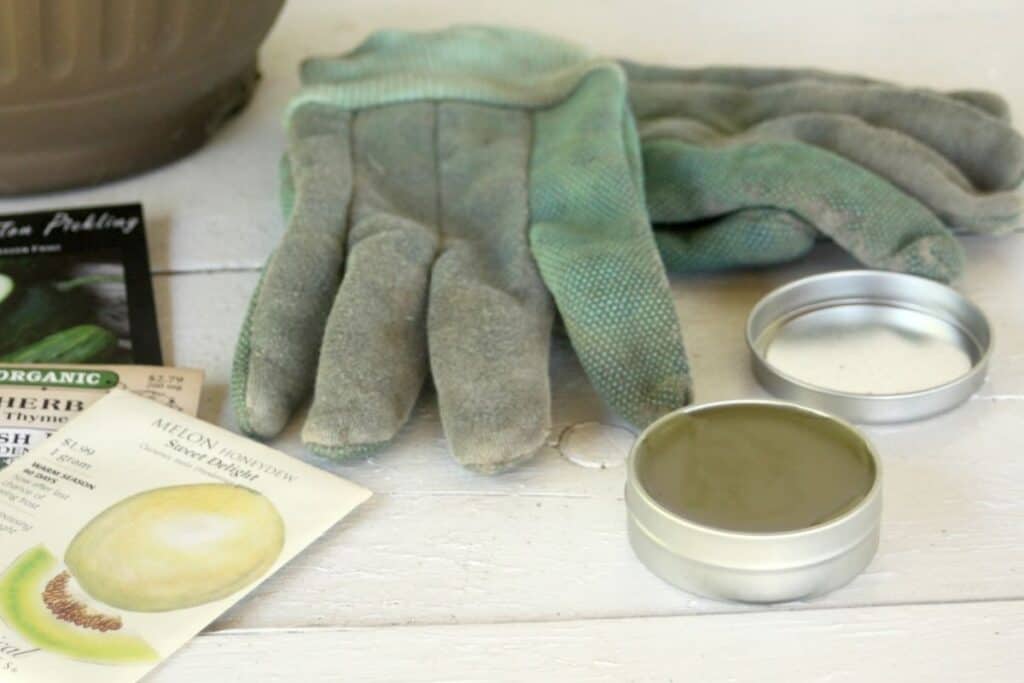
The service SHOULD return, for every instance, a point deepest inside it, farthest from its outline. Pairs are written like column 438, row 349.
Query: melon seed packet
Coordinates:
column 37, row 400
column 133, row 527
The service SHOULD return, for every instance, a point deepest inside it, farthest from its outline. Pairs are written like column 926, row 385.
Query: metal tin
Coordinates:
column 776, row 556
column 871, row 346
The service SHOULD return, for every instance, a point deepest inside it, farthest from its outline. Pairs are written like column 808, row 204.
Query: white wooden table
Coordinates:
column 447, row 575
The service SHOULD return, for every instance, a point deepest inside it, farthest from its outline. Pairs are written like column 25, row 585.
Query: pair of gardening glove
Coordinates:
column 446, row 192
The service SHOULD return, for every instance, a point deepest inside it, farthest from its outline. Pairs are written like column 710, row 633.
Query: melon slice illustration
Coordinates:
column 29, row 595
column 177, row 547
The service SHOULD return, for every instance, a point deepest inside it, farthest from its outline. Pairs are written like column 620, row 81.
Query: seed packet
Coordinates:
column 75, row 287
column 37, row 400
column 133, row 527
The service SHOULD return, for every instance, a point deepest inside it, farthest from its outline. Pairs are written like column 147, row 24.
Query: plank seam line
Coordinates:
column 169, row 272
column 636, row 617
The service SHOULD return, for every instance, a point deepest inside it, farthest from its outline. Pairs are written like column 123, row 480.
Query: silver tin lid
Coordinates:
column 756, row 501
column 871, row 346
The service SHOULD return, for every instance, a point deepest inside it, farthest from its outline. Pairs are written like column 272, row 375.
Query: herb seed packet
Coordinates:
column 37, row 400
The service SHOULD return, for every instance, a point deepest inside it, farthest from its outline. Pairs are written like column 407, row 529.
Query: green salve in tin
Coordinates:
column 757, row 468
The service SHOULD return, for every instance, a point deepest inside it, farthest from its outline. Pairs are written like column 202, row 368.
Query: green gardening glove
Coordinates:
column 444, row 194
column 749, row 166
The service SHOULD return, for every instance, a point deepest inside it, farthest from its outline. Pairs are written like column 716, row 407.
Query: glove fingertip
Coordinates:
column 497, row 452
column 261, row 416
column 342, row 452
column 989, row 102
column 937, row 257
column 261, row 411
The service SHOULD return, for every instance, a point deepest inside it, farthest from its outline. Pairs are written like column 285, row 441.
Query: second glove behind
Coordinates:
column 749, row 166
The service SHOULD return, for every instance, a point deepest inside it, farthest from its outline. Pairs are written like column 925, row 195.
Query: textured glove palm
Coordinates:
column 440, row 190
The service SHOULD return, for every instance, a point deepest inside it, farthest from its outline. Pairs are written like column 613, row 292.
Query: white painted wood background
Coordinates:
column 450, row 576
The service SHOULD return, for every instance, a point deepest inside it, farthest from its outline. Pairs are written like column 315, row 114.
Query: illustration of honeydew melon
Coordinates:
column 23, row 609
column 176, row 547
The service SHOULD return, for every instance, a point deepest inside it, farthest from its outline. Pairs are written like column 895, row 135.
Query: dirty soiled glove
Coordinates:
column 749, row 166
column 444, row 193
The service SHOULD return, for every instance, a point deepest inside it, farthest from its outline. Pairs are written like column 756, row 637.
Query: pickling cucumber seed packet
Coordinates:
column 133, row 527
column 37, row 400
column 75, row 287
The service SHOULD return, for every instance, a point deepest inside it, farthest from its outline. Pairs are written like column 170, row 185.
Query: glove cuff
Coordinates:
column 499, row 67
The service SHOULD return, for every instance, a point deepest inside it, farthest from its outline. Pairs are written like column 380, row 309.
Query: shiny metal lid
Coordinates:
column 871, row 346
column 757, row 501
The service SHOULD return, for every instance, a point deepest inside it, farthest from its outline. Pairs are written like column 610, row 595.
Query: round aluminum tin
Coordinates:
column 871, row 346
column 746, row 566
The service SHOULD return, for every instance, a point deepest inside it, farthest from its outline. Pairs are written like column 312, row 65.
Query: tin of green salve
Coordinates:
column 755, row 501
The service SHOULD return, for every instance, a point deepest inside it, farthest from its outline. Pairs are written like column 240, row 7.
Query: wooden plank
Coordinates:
column 935, row 643
column 546, row 541
column 953, row 530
